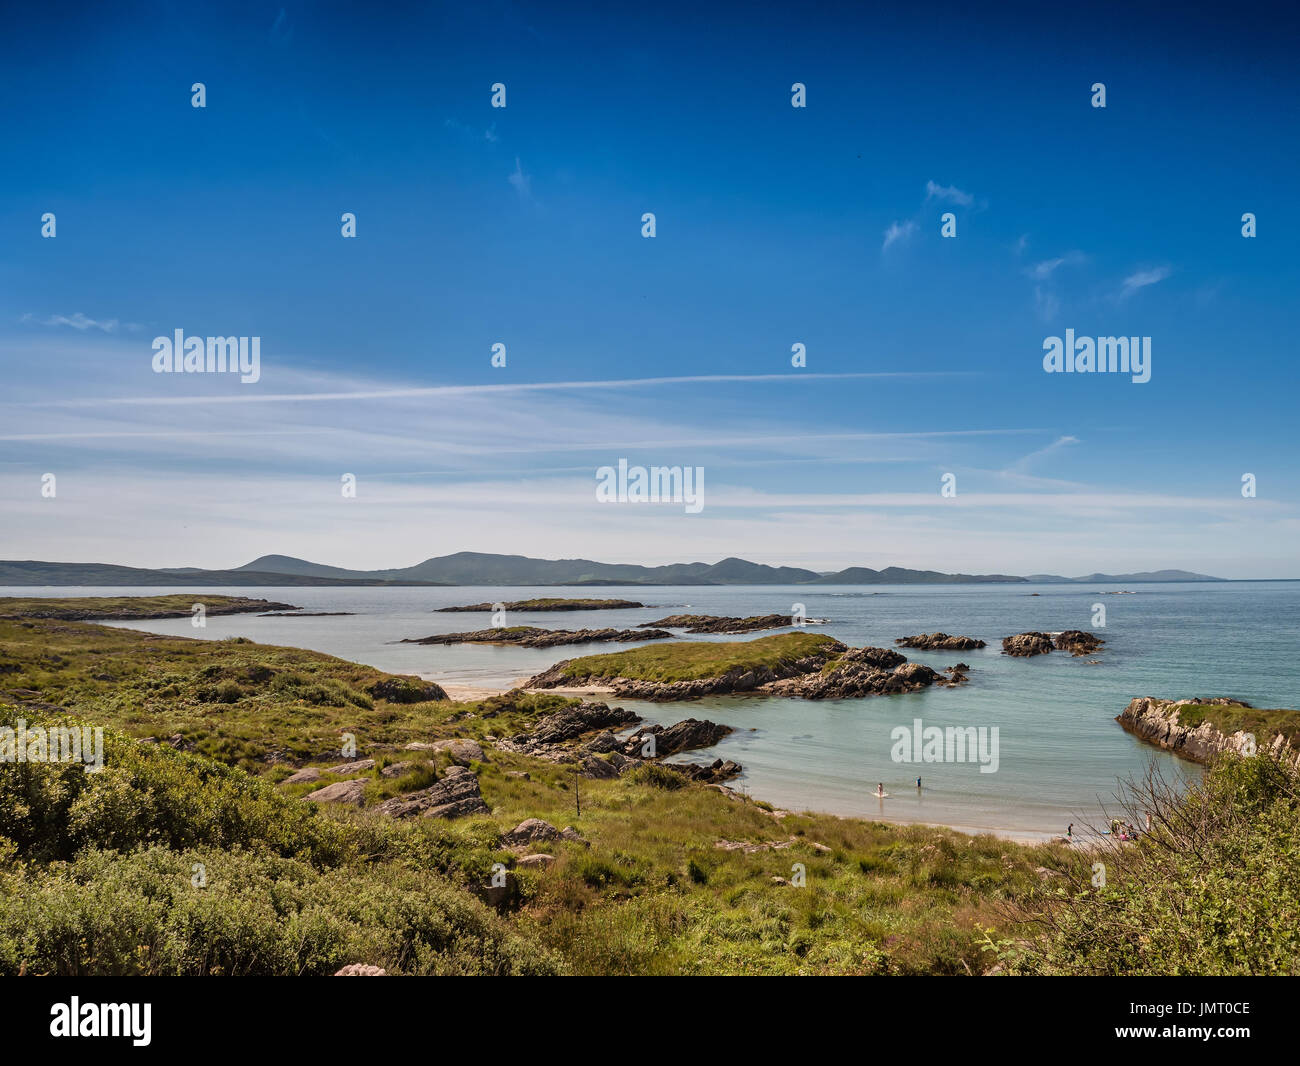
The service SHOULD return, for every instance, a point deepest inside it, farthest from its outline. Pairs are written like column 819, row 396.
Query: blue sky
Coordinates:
column 522, row 226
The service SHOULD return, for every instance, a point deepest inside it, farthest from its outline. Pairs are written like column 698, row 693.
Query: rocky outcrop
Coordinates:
column 1026, row 644
column 835, row 672
column 568, row 724
column 738, row 679
column 532, row 637
column 713, row 774
column 454, row 796
column 712, row 623
column 683, row 736
column 360, row 969
column 940, row 642
column 606, row 755
column 1075, row 641
column 853, row 680
column 403, row 689
column 1161, row 722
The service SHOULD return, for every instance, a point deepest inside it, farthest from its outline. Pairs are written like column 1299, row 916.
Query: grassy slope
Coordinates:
column 125, row 608
column 692, row 660
column 1231, row 718
column 652, row 893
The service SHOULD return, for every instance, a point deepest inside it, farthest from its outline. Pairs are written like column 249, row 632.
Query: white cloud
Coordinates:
column 897, row 231
column 1046, row 268
column 78, row 321
column 522, row 182
column 1142, row 278
column 935, row 191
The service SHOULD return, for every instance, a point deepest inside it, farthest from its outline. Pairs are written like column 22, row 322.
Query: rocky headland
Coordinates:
column 1201, row 729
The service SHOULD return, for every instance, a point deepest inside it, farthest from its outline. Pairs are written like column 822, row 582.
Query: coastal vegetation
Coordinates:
column 194, row 852
column 126, row 608
column 699, row 660
column 1211, row 888
column 100, row 872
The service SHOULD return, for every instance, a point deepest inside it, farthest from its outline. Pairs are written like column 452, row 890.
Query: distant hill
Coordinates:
column 29, row 572
column 479, row 568
column 894, row 575
column 1146, row 575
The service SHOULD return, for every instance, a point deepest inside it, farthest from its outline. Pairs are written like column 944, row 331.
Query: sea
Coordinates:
column 1061, row 756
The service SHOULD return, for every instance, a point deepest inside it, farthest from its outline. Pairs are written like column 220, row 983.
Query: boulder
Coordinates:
column 528, row 831
column 535, row 862
column 360, row 969
column 454, row 796
column 308, row 773
column 349, row 792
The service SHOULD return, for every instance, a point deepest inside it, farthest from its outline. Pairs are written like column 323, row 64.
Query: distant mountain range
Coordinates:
column 477, row 568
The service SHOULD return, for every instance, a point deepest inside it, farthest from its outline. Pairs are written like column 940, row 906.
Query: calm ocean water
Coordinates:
column 1060, row 750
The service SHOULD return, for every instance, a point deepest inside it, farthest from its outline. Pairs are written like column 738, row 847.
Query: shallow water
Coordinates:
column 1060, row 751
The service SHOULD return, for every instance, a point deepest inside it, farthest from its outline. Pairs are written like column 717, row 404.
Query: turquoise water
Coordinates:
column 1060, row 750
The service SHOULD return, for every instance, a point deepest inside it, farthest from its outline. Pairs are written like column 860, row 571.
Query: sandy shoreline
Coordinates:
column 1019, row 835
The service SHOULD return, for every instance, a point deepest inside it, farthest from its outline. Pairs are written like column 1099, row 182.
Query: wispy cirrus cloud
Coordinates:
column 898, row 231
column 949, row 193
column 79, row 321
column 1045, row 268
column 1142, row 279
column 522, row 182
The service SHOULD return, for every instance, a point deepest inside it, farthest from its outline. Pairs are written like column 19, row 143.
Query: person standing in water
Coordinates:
column 918, row 782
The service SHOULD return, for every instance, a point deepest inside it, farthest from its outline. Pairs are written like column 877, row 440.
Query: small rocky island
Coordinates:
column 532, row 637
column 803, row 665
column 711, row 623
column 939, row 642
column 1075, row 641
column 546, row 603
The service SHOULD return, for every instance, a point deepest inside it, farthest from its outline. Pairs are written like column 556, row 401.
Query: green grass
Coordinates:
column 1213, row 890
column 1232, row 718
column 692, row 660
column 178, row 605
column 95, row 869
